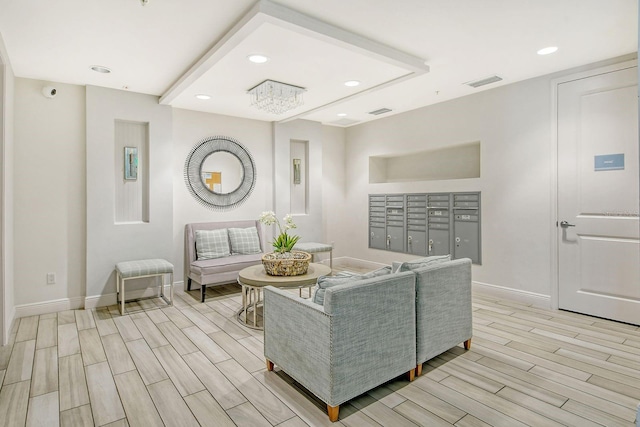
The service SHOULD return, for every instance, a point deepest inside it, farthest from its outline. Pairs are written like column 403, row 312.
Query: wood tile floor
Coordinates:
column 194, row 364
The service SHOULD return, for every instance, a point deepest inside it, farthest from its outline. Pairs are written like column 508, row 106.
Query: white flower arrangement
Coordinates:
column 284, row 242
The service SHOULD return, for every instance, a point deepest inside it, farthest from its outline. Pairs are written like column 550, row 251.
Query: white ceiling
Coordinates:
column 176, row 49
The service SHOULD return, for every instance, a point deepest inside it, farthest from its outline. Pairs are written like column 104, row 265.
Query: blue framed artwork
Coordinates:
column 130, row 163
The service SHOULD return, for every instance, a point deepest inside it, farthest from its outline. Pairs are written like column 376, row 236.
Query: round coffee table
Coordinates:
column 254, row 278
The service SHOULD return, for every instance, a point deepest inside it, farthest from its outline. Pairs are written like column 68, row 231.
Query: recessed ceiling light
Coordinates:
column 342, row 114
column 547, row 50
column 100, row 69
column 351, row 83
column 203, row 96
column 258, row 59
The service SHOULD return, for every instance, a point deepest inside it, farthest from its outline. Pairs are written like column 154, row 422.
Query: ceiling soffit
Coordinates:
column 273, row 27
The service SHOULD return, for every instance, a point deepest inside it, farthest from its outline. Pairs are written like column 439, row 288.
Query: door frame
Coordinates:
column 625, row 62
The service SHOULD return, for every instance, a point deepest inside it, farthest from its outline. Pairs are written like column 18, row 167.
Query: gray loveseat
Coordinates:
column 368, row 331
column 221, row 270
column 363, row 336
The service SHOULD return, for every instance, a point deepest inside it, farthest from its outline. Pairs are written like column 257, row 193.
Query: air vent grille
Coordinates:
column 379, row 111
column 485, row 81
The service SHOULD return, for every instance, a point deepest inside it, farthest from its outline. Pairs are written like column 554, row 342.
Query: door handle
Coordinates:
column 565, row 224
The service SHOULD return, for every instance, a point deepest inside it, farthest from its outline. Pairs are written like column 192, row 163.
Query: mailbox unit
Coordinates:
column 426, row 224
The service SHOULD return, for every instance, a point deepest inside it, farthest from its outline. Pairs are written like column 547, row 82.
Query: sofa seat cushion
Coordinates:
column 223, row 265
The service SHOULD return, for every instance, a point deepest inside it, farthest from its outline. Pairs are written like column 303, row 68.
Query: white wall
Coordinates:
column 109, row 243
column 7, row 90
column 513, row 124
column 49, row 198
column 190, row 127
column 309, row 225
column 334, row 224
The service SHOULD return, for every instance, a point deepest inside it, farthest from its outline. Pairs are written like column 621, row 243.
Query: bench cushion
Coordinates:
column 313, row 247
column 143, row 267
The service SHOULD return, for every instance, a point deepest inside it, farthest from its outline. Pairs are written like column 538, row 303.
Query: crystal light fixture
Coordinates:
column 275, row 97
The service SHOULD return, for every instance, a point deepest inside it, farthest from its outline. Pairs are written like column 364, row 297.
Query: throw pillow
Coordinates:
column 212, row 244
column 325, row 282
column 379, row 272
column 244, row 241
column 423, row 262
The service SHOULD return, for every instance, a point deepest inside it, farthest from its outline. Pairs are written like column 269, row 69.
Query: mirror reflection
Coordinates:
column 221, row 172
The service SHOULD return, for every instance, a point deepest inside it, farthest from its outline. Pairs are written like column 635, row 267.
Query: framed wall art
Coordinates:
column 130, row 163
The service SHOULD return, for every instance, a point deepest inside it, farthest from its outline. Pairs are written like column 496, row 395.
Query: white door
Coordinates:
column 598, row 229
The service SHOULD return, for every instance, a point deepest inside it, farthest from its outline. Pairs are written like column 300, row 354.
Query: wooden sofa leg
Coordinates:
column 189, row 284
column 269, row 365
column 419, row 370
column 333, row 412
column 203, row 290
column 411, row 375
column 467, row 344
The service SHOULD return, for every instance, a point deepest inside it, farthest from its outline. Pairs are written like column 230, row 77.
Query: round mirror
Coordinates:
column 220, row 173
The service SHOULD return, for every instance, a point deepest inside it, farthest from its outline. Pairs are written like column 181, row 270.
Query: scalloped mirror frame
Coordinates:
column 193, row 173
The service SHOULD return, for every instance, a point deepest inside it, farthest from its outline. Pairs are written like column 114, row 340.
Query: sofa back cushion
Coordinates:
column 244, row 241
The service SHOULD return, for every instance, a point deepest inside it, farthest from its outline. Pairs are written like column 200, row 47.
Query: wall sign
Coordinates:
column 609, row 162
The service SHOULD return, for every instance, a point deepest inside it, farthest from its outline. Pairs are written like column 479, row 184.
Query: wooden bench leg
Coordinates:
column 333, row 412
column 419, row 370
column 411, row 375
column 467, row 344
column 269, row 365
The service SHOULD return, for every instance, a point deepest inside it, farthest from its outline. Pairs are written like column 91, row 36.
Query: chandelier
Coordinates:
column 275, row 97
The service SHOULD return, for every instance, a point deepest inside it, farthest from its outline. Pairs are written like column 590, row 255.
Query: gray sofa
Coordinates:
column 368, row 331
column 219, row 270
column 363, row 336
column 443, row 308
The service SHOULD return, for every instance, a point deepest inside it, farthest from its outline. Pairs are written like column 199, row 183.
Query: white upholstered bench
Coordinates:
column 313, row 247
column 139, row 269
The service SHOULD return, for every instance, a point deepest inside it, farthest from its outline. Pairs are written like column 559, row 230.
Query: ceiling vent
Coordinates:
column 485, row 81
column 379, row 111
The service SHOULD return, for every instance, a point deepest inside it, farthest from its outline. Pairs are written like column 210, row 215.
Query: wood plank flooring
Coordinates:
column 194, row 364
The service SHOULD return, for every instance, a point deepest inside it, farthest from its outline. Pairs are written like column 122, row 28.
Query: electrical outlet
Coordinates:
column 51, row 278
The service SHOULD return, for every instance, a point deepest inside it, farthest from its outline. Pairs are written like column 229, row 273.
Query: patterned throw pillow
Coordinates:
column 325, row 282
column 379, row 272
column 244, row 241
column 341, row 278
column 212, row 244
column 423, row 262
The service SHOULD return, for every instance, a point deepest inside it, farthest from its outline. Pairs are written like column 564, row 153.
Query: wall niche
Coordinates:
column 455, row 162
column 131, row 172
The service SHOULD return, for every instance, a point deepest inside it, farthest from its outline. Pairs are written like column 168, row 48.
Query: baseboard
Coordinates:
column 346, row 262
column 47, row 307
column 9, row 320
column 532, row 298
column 501, row 292
column 104, row 300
